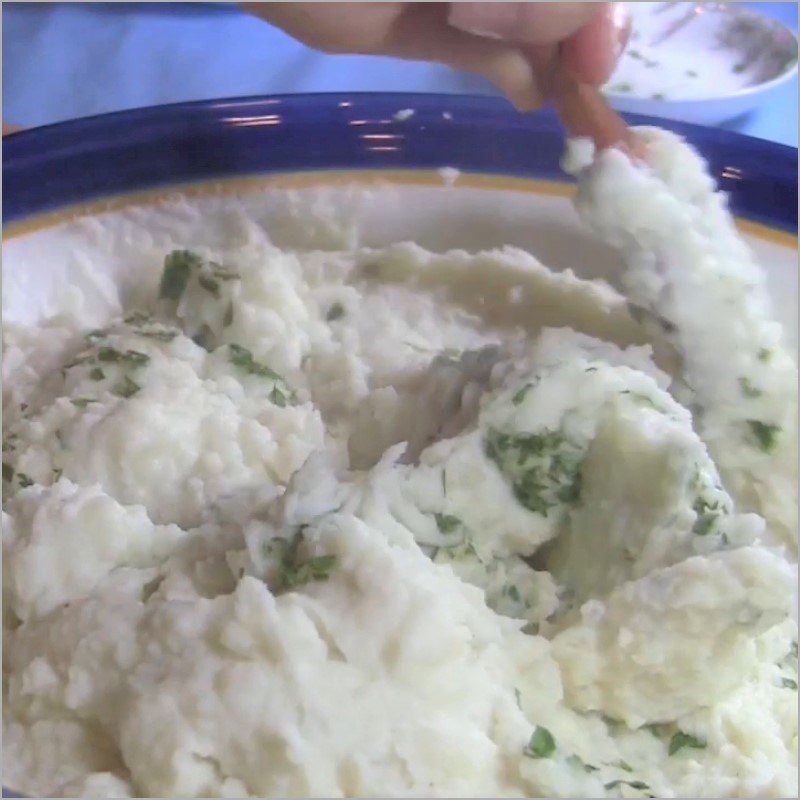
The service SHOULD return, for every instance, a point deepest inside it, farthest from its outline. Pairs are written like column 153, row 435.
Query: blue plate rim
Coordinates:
column 70, row 163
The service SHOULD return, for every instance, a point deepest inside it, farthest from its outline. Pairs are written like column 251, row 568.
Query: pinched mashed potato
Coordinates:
column 307, row 524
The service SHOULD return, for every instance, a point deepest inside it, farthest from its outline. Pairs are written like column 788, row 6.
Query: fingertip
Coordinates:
column 592, row 53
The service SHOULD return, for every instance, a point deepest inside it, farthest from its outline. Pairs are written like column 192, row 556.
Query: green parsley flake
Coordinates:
column 97, row 374
column 513, row 593
column 622, row 88
column 8, row 472
column 690, row 73
column 748, row 390
column 57, row 473
column 541, row 744
column 178, row 267
column 93, row 336
column 126, row 387
column 336, row 311
column 788, row 683
column 137, row 318
column 446, row 523
column 82, row 402
column 681, row 740
column 132, row 357
column 766, row 434
column 544, row 468
column 640, row 785
column 739, row 68
column 241, row 357
column 24, row 480
column 227, row 319
column 160, row 335
column 277, row 397
column 209, row 284
column 519, row 395
column 295, row 572
column 764, row 354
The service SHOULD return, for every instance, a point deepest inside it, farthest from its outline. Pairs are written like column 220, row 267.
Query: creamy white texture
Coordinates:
column 396, row 523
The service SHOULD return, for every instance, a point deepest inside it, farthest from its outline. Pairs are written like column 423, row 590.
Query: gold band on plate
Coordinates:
column 303, row 180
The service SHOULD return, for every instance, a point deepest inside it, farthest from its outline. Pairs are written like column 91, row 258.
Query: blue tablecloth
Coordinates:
column 64, row 60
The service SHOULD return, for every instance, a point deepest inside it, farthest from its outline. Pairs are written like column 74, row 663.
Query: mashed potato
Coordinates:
column 308, row 524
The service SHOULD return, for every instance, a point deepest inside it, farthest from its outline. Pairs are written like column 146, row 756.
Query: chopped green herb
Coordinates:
column 640, row 785
column 738, row 68
column 164, row 335
column 690, row 73
column 8, row 472
column 577, row 761
column 541, row 744
column 764, row 354
column 658, row 96
column 623, row 765
column 209, row 284
column 788, row 683
column 623, row 88
column 24, row 480
column 635, row 54
column 243, row 358
column 766, row 434
column 134, row 357
column 97, row 374
column 544, row 468
column 93, row 336
column 519, row 395
column 126, row 387
column 658, row 729
column 204, row 338
column 748, row 390
column 518, row 698
column 227, row 319
column 637, row 312
column 57, row 473
column 590, row 369
column 294, row 572
column 681, row 740
column 336, row 311
column 277, row 397
column 137, row 318
column 82, row 402
column 513, row 593
column 446, row 523
column 178, row 266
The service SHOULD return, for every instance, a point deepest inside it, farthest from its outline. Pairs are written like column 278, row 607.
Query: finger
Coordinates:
column 592, row 52
column 584, row 112
column 422, row 33
column 523, row 23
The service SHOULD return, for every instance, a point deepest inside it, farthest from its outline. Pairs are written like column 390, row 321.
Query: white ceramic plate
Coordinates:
column 701, row 62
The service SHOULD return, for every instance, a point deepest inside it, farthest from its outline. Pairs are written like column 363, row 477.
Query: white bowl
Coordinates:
column 701, row 62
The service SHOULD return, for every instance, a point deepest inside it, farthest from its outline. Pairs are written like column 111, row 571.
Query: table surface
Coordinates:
column 64, row 60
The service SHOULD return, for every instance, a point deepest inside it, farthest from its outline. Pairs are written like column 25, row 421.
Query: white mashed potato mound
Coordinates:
column 404, row 524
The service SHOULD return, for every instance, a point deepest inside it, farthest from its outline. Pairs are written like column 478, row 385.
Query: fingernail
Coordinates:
column 490, row 20
column 622, row 22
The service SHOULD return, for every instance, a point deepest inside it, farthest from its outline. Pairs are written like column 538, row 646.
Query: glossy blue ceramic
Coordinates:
column 51, row 167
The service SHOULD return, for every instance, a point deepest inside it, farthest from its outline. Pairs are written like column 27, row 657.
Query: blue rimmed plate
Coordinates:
column 510, row 190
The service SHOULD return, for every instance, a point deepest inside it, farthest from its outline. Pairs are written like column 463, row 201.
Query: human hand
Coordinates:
column 517, row 46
